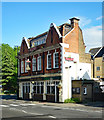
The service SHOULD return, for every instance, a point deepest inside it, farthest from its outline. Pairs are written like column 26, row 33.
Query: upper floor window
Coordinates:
column 49, row 61
column 25, row 65
column 34, row 64
column 39, row 63
column 98, row 68
column 56, row 59
column 22, row 66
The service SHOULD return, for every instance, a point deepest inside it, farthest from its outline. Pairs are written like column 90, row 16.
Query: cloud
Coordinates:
column 99, row 18
column 92, row 37
column 84, row 21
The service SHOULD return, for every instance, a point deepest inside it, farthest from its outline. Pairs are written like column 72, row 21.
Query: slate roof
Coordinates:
column 100, row 53
column 93, row 51
column 67, row 29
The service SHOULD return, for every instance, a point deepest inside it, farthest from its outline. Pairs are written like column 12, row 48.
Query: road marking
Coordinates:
column 4, row 105
column 25, row 111
column 52, row 117
column 27, row 104
column 13, row 105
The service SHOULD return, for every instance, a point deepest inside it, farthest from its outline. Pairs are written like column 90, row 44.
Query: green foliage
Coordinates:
column 72, row 100
column 8, row 68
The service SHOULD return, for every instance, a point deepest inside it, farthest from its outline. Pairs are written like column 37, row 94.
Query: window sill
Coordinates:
column 49, row 69
column 56, row 68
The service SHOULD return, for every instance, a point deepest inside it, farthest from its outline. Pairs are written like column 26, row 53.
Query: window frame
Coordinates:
column 22, row 66
column 48, row 61
column 97, row 68
column 34, row 64
column 25, row 65
column 39, row 63
column 54, row 63
column 85, row 91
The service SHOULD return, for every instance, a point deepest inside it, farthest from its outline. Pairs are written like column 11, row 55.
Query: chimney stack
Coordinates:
column 74, row 21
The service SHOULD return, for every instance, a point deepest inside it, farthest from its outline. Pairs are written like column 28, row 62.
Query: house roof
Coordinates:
column 93, row 51
column 67, row 28
column 100, row 52
column 59, row 29
column 40, row 35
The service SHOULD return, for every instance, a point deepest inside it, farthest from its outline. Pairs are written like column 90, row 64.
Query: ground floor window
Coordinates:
column 38, row 87
column 26, row 87
column 51, row 86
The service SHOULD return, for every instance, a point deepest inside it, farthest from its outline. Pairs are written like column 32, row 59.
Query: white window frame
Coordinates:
column 85, row 91
column 22, row 66
column 48, row 62
column 39, row 63
column 34, row 64
column 25, row 65
column 54, row 63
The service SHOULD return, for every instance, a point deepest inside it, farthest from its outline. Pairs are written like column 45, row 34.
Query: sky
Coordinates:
column 29, row 19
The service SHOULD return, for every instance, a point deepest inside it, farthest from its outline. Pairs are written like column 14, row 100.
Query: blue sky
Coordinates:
column 28, row 19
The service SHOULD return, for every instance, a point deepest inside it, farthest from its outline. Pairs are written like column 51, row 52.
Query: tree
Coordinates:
column 9, row 68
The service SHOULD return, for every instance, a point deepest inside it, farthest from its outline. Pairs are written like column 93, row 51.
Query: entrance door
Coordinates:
column 26, row 91
column 57, row 94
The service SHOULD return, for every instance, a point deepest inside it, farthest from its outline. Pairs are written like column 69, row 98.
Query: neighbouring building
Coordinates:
column 97, row 62
column 49, row 62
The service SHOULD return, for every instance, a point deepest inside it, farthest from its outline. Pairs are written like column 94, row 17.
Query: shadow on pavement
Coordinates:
column 94, row 104
column 8, row 96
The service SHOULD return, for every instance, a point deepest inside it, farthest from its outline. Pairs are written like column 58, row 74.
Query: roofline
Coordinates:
column 38, row 36
column 57, row 30
column 98, row 52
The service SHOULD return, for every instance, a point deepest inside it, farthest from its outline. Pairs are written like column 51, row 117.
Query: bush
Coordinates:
column 6, row 92
column 72, row 100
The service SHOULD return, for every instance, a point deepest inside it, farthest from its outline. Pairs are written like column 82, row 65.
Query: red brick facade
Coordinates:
column 50, row 52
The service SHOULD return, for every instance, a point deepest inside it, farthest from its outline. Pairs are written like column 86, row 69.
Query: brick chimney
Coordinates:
column 74, row 21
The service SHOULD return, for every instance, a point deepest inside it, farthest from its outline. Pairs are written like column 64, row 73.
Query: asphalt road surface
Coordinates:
column 17, row 110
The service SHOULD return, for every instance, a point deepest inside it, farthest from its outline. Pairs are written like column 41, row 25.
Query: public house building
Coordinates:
column 49, row 62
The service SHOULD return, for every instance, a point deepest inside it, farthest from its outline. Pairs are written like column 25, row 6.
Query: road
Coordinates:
column 17, row 110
